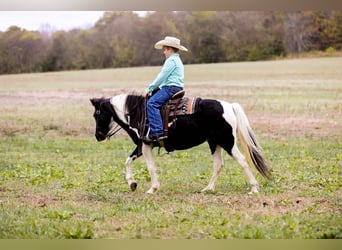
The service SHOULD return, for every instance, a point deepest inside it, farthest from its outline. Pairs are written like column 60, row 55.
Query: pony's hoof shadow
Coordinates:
column 133, row 186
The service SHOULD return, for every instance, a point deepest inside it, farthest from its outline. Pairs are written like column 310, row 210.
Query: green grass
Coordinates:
column 56, row 181
column 63, row 188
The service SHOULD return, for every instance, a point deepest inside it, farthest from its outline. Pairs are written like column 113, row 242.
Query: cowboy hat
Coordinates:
column 171, row 42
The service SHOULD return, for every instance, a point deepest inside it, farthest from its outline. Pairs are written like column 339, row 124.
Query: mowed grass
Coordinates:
column 56, row 181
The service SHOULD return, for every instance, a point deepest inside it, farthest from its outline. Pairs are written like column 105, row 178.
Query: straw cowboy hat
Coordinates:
column 171, row 42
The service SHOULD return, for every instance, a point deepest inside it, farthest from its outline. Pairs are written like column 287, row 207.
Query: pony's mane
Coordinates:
column 136, row 109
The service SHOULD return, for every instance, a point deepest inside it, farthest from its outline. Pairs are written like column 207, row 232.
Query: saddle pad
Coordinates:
column 184, row 106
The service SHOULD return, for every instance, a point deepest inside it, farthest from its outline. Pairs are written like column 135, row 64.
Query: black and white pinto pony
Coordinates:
column 218, row 122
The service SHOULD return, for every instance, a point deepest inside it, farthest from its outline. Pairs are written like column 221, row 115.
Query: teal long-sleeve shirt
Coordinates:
column 172, row 74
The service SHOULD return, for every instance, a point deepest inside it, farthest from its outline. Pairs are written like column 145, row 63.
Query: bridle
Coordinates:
column 113, row 130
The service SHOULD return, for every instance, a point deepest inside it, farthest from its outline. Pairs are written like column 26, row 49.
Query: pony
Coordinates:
column 217, row 122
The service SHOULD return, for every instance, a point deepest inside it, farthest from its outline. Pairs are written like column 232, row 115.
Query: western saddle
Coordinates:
column 177, row 105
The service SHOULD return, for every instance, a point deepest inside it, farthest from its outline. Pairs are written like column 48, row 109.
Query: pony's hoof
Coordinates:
column 207, row 190
column 152, row 190
column 254, row 191
column 133, row 186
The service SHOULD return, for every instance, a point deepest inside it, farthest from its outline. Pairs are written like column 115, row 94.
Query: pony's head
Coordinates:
column 103, row 116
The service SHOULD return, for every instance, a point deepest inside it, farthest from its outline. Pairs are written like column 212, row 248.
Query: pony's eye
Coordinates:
column 97, row 112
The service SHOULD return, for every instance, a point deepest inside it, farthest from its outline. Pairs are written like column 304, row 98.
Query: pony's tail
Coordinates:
column 249, row 141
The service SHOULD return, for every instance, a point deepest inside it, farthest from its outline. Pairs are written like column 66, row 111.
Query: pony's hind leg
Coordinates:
column 240, row 158
column 218, row 163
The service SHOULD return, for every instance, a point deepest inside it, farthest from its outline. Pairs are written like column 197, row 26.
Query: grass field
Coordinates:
column 56, row 181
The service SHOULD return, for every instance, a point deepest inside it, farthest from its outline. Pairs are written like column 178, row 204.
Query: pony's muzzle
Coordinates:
column 100, row 136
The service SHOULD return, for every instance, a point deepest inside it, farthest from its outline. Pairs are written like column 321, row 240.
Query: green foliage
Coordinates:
column 21, row 51
column 85, row 196
column 123, row 39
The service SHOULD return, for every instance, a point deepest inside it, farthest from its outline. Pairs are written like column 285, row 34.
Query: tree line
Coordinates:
column 124, row 39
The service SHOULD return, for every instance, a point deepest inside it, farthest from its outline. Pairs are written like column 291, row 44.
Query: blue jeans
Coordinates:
column 153, row 108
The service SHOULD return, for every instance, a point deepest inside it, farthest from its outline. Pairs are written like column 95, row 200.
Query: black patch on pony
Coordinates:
column 136, row 112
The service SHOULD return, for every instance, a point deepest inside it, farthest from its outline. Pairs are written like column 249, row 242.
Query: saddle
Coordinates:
column 176, row 106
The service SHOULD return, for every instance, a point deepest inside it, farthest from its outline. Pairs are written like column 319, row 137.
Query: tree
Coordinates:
column 20, row 51
column 204, row 37
column 328, row 27
column 123, row 39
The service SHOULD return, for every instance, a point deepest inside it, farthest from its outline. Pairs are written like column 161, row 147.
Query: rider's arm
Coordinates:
column 167, row 69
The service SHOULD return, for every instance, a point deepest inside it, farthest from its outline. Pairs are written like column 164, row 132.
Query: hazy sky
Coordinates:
column 35, row 20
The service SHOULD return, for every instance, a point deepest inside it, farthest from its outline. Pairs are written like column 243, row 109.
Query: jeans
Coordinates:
column 153, row 108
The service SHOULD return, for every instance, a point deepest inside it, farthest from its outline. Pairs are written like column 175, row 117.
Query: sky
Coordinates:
column 58, row 20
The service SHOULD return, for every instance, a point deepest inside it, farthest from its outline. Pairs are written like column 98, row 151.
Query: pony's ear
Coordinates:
column 95, row 102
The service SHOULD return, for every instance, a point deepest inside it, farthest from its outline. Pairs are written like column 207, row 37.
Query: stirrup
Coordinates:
column 154, row 139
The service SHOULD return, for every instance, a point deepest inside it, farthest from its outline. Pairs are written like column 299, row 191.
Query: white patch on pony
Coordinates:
column 229, row 115
column 118, row 102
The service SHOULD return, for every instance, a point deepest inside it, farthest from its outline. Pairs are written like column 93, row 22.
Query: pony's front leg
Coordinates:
column 129, row 165
column 147, row 153
column 129, row 175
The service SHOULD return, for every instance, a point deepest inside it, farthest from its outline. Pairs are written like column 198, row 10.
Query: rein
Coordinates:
column 113, row 131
